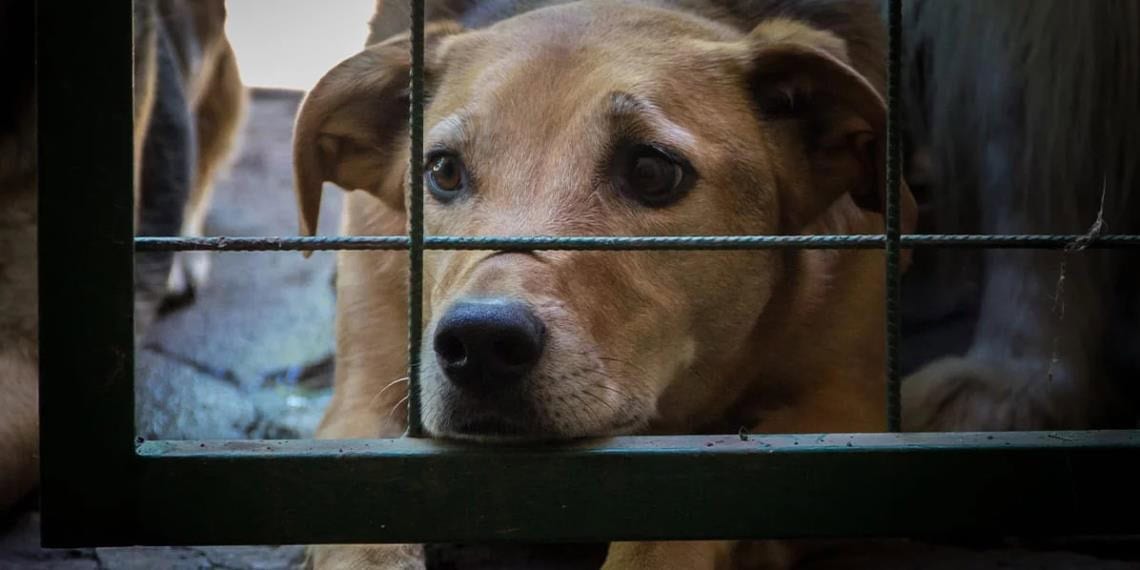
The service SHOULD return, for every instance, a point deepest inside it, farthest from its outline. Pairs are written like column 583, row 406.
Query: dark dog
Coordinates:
column 188, row 102
column 1026, row 116
column 18, row 348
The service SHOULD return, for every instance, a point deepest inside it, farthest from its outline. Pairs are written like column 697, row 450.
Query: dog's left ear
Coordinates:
column 802, row 79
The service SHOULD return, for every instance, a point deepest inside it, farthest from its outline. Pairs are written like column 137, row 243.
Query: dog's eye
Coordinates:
column 652, row 177
column 446, row 176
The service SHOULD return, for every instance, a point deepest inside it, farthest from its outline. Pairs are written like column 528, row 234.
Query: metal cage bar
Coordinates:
column 629, row 243
column 641, row 488
column 102, row 488
column 893, row 223
column 416, row 221
column 85, row 156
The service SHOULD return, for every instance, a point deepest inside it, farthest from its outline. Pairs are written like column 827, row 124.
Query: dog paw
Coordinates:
column 188, row 274
column 962, row 394
column 673, row 555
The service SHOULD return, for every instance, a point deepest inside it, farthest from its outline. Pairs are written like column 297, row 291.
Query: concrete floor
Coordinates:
column 251, row 358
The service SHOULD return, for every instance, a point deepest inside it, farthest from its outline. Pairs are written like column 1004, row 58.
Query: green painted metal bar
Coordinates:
column 629, row 243
column 415, row 490
column 893, row 219
column 86, row 355
column 99, row 489
column 416, row 221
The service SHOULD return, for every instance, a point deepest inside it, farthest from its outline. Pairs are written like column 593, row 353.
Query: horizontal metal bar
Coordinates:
column 271, row 243
column 705, row 243
column 639, row 488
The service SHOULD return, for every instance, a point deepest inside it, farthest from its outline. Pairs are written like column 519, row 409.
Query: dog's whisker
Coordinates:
column 378, row 395
column 601, row 401
column 635, row 367
column 402, row 401
column 393, row 383
column 609, row 388
column 587, row 408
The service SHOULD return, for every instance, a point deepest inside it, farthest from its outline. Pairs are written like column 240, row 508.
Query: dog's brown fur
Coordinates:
column 18, row 347
column 780, row 113
column 189, row 101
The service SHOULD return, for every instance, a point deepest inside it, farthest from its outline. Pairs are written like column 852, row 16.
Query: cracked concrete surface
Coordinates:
column 251, row 357
column 19, row 550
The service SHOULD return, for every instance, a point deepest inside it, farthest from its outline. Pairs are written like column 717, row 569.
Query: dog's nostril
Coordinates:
column 488, row 343
column 450, row 349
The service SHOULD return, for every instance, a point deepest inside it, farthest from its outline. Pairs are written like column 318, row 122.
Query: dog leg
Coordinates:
column 146, row 80
column 370, row 394
column 1035, row 359
column 218, row 118
column 985, row 98
column 1033, row 364
column 676, row 555
column 364, row 416
column 351, row 557
column 19, row 381
column 168, row 156
column 19, row 425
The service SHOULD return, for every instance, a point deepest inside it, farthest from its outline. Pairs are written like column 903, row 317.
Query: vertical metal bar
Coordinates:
column 416, row 222
column 85, row 116
column 894, row 179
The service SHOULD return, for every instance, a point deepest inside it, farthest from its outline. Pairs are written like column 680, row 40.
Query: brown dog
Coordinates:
column 612, row 118
column 189, row 100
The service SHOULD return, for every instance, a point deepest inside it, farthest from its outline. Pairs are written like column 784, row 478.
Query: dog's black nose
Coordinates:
column 486, row 344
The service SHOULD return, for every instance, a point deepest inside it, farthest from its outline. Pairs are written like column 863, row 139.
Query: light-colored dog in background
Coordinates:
column 1028, row 113
column 189, row 101
column 576, row 118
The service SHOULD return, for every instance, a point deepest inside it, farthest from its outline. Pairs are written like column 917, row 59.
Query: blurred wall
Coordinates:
column 291, row 43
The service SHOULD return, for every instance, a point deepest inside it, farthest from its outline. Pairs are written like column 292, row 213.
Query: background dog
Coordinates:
column 573, row 119
column 18, row 343
column 188, row 103
column 1026, row 116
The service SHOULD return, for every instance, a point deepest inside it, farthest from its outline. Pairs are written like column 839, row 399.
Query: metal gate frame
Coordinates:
column 102, row 486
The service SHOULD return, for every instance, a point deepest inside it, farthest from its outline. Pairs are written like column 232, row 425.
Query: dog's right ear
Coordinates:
column 801, row 75
column 352, row 125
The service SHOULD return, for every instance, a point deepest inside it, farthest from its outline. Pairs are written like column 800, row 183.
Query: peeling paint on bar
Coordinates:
column 770, row 486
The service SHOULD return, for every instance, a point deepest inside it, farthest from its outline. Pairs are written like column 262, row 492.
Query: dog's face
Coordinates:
column 595, row 119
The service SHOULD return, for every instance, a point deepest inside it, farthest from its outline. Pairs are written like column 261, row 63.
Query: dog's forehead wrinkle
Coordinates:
column 626, row 108
column 624, row 102
column 452, row 129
